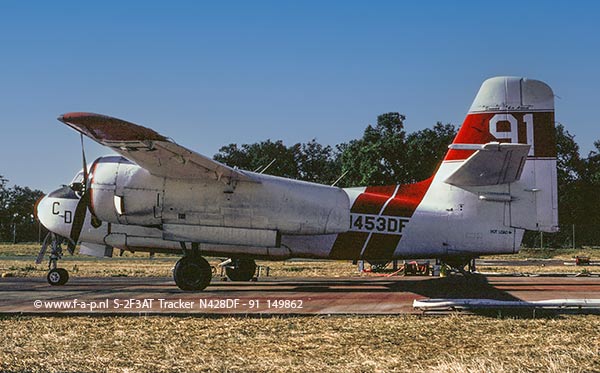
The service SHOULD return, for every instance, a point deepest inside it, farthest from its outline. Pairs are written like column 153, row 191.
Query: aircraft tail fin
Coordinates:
column 508, row 138
column 509, row 110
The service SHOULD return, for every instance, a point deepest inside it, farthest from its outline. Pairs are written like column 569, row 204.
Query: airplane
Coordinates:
column 497, row 180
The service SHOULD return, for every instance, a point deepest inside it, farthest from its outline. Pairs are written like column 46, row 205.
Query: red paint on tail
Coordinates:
column 534, row 128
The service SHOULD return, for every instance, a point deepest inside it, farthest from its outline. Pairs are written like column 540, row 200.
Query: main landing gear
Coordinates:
column 459, row 265
column 241, row 269
column 56, row 276
column 193, row 273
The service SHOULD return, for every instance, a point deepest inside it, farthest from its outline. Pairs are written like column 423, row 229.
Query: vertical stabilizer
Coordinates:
column 517, row 111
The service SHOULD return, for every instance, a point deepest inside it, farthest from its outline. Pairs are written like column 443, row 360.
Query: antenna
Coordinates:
column 265, row 168
column 340, row 178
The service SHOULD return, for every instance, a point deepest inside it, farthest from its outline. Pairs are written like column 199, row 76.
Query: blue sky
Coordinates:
column 212, row 73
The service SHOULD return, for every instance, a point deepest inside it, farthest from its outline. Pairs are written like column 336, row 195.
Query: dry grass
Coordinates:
column 161, row 267
column 455, row 343
column 535, row 270
column 552, row 253
column 91, row 267
column 18, row 261
column 325, row 344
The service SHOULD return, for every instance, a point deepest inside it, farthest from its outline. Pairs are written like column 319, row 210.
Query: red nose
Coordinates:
column 35, row 214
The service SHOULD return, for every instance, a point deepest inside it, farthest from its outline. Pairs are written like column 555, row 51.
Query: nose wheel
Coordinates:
column 56, row 276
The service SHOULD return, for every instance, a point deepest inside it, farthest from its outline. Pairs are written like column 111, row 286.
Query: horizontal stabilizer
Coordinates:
column 492, row 164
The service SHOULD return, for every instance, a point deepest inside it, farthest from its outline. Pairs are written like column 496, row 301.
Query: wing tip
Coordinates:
column 104, row 127
column 78, row 116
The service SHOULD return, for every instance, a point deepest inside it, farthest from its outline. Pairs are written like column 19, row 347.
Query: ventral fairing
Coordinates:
column 497, row 180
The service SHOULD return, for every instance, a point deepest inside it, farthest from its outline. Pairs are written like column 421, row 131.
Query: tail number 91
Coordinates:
column 376, row 223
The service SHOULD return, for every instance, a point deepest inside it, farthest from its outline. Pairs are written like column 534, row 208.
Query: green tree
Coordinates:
column 318, row 163
column 426, row 150
column 17, row 219
column 5, row 217
column 310, row 161
column 234, row 156
column 592, row 165
column 569, row 169
column 254, row 157
column 569, row 163
column 22, row 203
column 378, row 158
column 588, row 197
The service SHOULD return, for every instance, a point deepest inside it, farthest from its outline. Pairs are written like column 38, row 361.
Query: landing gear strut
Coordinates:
column 459, row 265
column 241, row 269
column 56, row 276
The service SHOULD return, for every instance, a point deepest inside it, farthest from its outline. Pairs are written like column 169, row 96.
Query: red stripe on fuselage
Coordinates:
column 406, row 201
column 372, row 199
column 349, row 245
column 381, row 246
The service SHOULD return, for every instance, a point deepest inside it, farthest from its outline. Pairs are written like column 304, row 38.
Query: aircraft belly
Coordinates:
column 424, row 235
column 318, row 246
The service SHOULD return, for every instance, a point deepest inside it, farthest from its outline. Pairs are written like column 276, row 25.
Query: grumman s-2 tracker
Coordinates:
column 497, row 179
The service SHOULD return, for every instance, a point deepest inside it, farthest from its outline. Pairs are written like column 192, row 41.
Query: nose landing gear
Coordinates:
column 56, row 276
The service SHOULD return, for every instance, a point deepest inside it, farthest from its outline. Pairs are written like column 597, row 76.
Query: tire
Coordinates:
column 64, row 276
column 57, row 276
column 192, row 273
column 243, row 270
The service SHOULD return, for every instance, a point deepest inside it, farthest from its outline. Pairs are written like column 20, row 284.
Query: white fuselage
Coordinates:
column 280, row 218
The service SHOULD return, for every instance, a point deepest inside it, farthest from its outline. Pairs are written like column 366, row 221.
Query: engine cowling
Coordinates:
column 121, row 192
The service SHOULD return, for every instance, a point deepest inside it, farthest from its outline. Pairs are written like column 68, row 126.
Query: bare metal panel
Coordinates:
column 221, row 235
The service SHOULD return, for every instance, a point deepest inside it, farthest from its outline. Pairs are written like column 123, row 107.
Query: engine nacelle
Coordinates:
column 209, row 211
column 124, row 193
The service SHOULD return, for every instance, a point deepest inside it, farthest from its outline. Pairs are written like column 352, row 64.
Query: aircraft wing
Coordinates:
column 150, row 150
column 492, row 164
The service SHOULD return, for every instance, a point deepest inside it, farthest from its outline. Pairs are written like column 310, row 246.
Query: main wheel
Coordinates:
column 57, row 276
column 242, row 270
column 192, row 273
